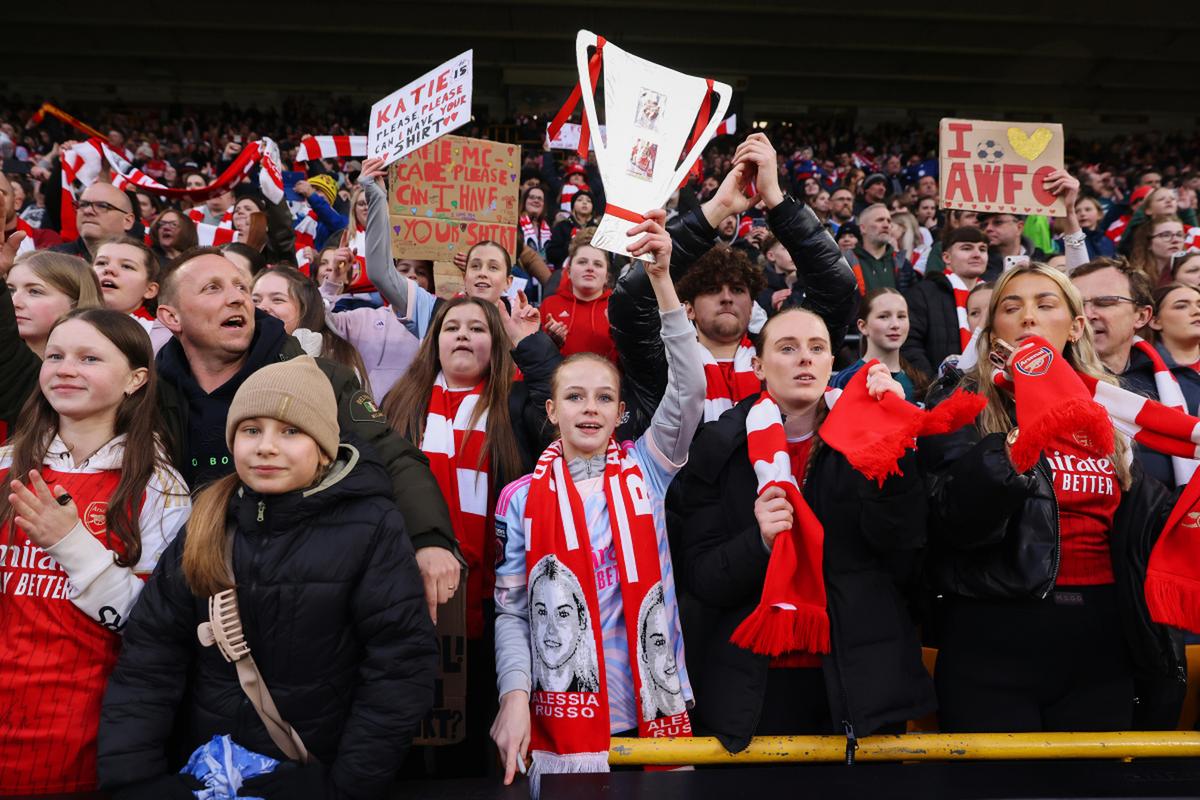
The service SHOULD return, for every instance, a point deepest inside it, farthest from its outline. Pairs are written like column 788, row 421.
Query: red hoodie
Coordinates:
column 586, row 320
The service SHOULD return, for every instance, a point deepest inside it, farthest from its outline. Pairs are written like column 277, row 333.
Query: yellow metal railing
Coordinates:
column 910, row 747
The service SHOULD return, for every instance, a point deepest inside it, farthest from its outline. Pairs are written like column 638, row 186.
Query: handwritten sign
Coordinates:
column 451, row 194
column 446, row 723
column 434, row 104
column 568, row 137
column 1000, row 166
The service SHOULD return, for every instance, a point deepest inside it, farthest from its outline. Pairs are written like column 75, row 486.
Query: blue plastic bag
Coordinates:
column 222, row 766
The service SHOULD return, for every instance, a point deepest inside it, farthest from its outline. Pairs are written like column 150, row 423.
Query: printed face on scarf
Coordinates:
column 210, row 309
column 796, row 359
column 464, row 345
column 419, row 271
column 1033, row 305
column 487, row 274
column 272, row 294
column 585, row 404
column 273, row 457
column 724, row 315
column 557, row 620
column 588, row 272
column 660, row 667
column 124, row 281
column 1113, row 326
column 84, row 375
column 36, row 303
column 1178, row 317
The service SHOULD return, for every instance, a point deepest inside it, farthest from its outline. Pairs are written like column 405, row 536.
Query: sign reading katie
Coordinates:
column 1000, row 166
column 436, row 103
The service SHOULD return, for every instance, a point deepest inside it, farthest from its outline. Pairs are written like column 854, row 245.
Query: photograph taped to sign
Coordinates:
column 434, row 104
column 1000, row 167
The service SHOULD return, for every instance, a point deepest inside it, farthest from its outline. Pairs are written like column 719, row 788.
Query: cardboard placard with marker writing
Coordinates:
column 447, row 722
column 1000, row 167
column 452, row 193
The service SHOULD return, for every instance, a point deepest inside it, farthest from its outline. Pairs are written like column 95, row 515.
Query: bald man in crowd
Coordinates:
column 102, row 212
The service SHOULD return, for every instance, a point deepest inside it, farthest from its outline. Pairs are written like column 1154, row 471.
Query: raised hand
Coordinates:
column 524, row 320
column 45, row 516
column 655, row 241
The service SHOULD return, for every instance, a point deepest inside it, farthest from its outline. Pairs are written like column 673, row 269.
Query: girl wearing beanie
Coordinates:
column 89, row 504
column 588, row 640
column 1041, row 527
column 803, row 524
column 330, row 602
column 479, row 427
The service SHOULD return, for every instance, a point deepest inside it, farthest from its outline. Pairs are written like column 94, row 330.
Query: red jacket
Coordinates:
column 586, row 321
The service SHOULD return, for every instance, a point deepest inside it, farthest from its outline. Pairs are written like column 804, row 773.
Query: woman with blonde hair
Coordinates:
column 1040, row 529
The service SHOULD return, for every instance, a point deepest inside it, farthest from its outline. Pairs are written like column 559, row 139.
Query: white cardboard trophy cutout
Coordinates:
column 650, row 112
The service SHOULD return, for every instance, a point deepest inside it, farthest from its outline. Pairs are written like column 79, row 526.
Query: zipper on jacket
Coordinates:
column 262, row 510
column 1057, row 532
column 851, row 740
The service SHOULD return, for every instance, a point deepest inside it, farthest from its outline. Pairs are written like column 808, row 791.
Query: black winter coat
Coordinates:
column 334, row 612
column 873, row 540
column 994, row 534
column 824, row 286
column 932, row 324
column 195, row 421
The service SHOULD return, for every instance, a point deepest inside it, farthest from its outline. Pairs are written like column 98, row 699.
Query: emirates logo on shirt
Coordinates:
column 1034, row 364
column 95, row 517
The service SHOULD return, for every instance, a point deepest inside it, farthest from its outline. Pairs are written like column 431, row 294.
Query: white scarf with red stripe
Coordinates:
column 569, row 702
column 454, row 446
column 312, row 148
column 720, row 396
column 1170, row 395
column 961, row 293
column 305, row 231
column 26, row 245
column 535, row 236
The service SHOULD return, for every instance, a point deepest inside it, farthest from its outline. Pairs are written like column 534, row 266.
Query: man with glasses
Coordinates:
column 102, row 212
column 1117, row 303
column 1005, row 234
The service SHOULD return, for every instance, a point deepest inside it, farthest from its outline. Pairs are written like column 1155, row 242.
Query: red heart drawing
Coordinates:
column 974, row 206
column 452, row 117
column 1027, row 210
column 987, row 207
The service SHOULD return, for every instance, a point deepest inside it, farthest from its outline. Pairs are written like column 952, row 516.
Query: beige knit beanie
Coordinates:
column 293, row 391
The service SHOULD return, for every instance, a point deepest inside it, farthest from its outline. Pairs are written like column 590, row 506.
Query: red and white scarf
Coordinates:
column 535, row 236
column 1171, row 396
column 196, row 215
column 570, row 718
column 26, row 245
column 454, row 446
column 358, row 280
column 312, row 148
column 791, row 615
column 961, row 293
column 720, row 396
column 305, row 231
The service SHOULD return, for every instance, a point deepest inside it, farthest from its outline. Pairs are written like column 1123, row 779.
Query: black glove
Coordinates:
column 290, row 782
column 164, row 787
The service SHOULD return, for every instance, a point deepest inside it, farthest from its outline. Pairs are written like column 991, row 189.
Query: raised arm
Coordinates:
column 380, row 269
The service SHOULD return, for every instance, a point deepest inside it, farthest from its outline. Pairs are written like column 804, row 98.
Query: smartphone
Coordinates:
column 1000, row 353
column 1015, row 261
column 758, row 222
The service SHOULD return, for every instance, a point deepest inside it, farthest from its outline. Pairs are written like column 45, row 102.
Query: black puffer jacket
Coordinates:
column 933, row 330
column 334, row 612
column 873, row 540
column 824, row 286
column 994, row 534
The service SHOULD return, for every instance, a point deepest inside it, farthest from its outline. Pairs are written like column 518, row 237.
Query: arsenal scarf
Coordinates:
column 1172, row 588
column 26, row 245
column 1170, row 395
column 961, row 292
column 535, row 236
column 454, row 446
column 569, row 701
column 358, row 280
column 720, row 394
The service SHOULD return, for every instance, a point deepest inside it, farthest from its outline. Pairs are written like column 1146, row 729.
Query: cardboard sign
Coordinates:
column 447, row 722
column 434, row 104
column 451, row 194
column 568, row 137
column 1000, row 166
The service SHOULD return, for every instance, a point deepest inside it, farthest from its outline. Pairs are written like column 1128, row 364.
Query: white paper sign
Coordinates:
column 436, row 103
column 568, row 137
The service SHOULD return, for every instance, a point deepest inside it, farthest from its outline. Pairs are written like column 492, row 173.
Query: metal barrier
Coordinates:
column 909, row 747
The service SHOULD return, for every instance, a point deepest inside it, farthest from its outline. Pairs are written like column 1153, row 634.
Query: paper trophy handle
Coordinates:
column 583, row 40
column 724, row 92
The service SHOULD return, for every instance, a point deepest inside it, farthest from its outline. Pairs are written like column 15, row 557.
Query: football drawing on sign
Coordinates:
column 564, row 649
column 649, row 109
column 662, row 691
column 641, row 160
